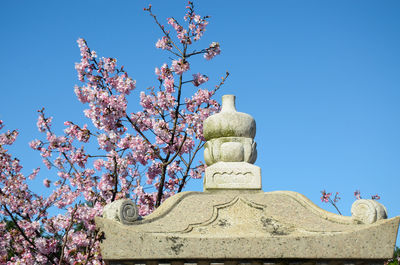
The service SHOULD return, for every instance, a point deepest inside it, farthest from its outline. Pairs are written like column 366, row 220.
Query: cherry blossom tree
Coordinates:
column 146, row 156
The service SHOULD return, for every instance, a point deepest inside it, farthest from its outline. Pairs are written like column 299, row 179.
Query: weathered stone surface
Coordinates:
column 124, row 211
column 368, row 211
column 246, row 225
column 251, row 262
column 229, row 122
column 230, row 149
column 232, row 175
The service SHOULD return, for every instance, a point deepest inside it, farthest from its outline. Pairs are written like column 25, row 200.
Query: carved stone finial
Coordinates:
column 230, row 150
column 368, row 211
column 123, row 211
column 229, row 122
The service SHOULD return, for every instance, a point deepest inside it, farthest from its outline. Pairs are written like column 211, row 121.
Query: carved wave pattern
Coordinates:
column 235, row 176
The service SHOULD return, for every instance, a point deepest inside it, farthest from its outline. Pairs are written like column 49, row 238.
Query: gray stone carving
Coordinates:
column 123, row 211
column 230, row 149
column 368, row 211
column 229, row 122
column 240, row 224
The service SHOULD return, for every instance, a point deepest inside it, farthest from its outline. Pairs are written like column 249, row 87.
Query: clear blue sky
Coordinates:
column 321, row 78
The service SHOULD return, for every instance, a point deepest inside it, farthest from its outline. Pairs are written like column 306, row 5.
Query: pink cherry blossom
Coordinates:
column 42, row 123
column 46, row 183
column 212, row 51
column 325, row 196
column 375, row 197
column 34, row 173
column 8, row 138
column 164, row 43
column 180, row 66
column 199, row 79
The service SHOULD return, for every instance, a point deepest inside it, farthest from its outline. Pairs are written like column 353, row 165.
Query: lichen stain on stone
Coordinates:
column 228, row 132
column 274, row 227
column 177, row 244
column 223, row 223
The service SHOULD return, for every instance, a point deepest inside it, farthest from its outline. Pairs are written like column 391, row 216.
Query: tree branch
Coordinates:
column 66, row 235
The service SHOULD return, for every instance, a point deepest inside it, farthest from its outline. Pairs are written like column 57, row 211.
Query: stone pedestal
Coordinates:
column 232, row 175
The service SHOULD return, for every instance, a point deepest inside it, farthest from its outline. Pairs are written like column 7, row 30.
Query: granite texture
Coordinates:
column 246, row 225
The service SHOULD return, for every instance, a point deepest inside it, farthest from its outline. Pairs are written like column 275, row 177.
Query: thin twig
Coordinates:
column 163, row 30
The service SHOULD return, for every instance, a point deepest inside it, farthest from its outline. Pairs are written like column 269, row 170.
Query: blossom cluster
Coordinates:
column 325, row 196
column 212, row 51
column 196, row 27
column 357, row 194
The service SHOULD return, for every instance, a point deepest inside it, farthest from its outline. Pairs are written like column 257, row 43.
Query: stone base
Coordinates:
column 232, row 175
column 250, row 262
column 243, row 225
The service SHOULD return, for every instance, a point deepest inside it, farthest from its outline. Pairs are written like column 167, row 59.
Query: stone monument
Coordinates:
column 233, row 221
column 230, row 150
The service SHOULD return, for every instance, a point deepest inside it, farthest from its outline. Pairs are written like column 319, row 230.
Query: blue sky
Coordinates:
column 321, row 78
